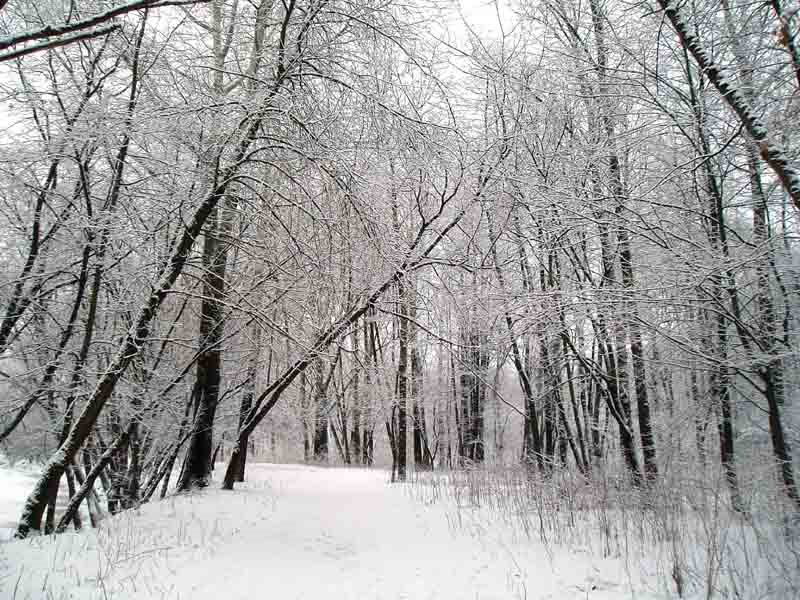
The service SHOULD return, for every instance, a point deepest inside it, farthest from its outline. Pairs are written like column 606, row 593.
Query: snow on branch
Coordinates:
column 87, row 28
column 771, row 152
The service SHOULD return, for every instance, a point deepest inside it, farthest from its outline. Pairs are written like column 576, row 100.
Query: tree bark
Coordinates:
column 198, row 466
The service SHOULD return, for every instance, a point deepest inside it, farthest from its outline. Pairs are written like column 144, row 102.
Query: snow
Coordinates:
column 307, row 532
column 15, row 485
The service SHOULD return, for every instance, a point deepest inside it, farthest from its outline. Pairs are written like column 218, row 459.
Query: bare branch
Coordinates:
column 771, row 152
column 85, row 28
column 64, row 41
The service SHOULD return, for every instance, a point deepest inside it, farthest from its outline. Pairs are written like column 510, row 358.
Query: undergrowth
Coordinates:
column 682, row 532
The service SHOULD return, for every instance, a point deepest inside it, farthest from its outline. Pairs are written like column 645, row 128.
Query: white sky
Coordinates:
column 479, row 16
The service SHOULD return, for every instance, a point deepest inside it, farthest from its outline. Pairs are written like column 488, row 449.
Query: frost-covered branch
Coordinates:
column 61, row 41
column 771, row 152
column 83, row 29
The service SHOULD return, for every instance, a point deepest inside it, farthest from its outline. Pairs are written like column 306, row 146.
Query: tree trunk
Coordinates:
column 92, row 501
column 355, row 432
column 720, row 377
column 321, row 424
column 132, row 493
column 88, row 484
column 422, row 455
column 305, row 409
column 198, row 466
column 250, row 392
column 390, row 433
column 625, row 251
column 370, row 358
column 402, row 382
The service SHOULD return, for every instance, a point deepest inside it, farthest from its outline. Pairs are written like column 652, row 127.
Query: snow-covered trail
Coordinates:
column 301, row 532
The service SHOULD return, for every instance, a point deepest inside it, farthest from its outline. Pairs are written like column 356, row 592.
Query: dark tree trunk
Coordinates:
column 549, row 414
column 305, row 418
column 198, row 463
column 355, row 432
column 240, row 473
column 402, row 383
column 643, row 403
column 531, row 438
column 479, row 399
column 369, row 447
column 88, row 484
column 780, row 446
column 169, row 465
column 700, row 418
column 422, row 453
column 596, row 433
column 370, row 359
column 768, row 327
column 637, row 349
column 719, row 378
column 464, row 419
column 117, row 468
column 453, row 396
column 247, row 402
column 92, row 502
column 321, row 435
column 197, row 466
column 132, row 493
column 390, row 433
column 341, row 444
column 625, row 251
column 473, row 397
column 321, row 424
column 52, row 498
column 582, row 459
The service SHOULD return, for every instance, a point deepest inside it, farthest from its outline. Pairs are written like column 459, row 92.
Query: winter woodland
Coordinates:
column 538, row 258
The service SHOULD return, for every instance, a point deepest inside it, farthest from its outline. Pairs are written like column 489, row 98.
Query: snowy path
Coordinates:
column 299, row 532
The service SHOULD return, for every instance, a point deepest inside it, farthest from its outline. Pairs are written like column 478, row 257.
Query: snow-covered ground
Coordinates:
column 304, row 532
column 15, row 485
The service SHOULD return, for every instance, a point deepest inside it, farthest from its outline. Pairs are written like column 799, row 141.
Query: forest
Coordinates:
column 534, row 245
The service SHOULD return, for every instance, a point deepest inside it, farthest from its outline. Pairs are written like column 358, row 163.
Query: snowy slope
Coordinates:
column 301, row 532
